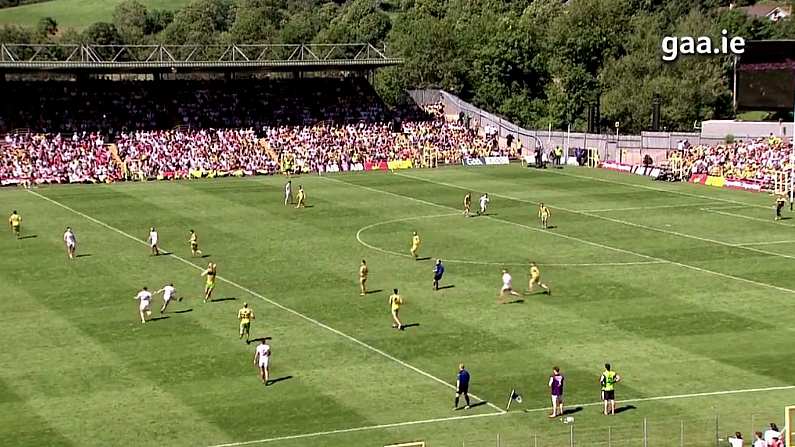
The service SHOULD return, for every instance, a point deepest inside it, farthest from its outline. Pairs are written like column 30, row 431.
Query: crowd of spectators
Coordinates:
column 756, row 160
column 54, row 159
column 188, row 151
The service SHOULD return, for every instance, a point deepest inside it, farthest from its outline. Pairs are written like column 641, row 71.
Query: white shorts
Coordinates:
column 263, row 362
column 166, row 298
column 143, row 307
column 556, row 400
column 153, row 243
column 70, row 245
column 506, row 288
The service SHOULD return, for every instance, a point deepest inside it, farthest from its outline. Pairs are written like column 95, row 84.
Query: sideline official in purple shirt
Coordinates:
column 556, row 390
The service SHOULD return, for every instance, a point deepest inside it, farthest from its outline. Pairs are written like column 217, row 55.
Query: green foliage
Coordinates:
column 47, row 27
column 102, row 33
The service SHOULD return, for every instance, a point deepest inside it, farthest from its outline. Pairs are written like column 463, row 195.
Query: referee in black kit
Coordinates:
column 462, row 386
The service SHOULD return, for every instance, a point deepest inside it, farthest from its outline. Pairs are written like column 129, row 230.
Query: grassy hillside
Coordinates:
column 74, row 13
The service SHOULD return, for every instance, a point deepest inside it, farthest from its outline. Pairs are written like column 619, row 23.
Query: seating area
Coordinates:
column 755, row 160
column 104, row 131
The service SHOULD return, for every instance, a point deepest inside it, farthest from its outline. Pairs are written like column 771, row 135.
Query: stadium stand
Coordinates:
column 103, row 131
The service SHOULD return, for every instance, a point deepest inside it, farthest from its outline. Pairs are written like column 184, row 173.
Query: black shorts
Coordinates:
column 463, row 389
column 609, row 395
column 437, row 277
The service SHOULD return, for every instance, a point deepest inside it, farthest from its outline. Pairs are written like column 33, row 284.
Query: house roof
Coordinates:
column 765, row 9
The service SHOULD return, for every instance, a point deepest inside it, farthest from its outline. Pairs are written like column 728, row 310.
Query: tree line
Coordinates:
column 537, row 63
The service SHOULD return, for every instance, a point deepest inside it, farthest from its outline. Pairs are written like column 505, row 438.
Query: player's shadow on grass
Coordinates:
column 164, row 317
column 519, row 301
column 29, row 236
column 477, row 404
column 783, row 218
column 374, row 291
column 569, row 411
column 551, row 227
column 625, row 408
column 205, row 256
column 449, row 286
column 184, row 311
column 218, row 300
column 83, row 255
column 405, row 326
column 423, row 259
column 272, row 382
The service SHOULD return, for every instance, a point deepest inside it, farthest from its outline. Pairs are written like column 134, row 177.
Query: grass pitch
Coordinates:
column 74, row 13
column 687, row 290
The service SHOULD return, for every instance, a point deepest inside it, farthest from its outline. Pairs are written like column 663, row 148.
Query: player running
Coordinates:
column 543, row 215
column 168, row 292
column 15, row 222
column 288, row 193
column 210, row 273
column 153, row 241
column 245, row 315
column 608, row 381
column 262, row 356
column 507, row 287
column 535, row 278
column 438, row 272
column 301, row 197
column 194, row 244
column 415, row 245
column 467, row 204
column 70, row 240
column 484, row 203
column 363, row 271
column 395, row 301
column 144, row 298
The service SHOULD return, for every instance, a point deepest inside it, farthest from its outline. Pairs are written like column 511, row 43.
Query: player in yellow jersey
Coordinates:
column 15, row 221
column 301, row 197
column 210, row 273
column 194, row 244
column 415, row 245
column 245, row 315
column 467, row 203
column 535, row 278
column 363, row 271
column 543, row 214
column 395, row 301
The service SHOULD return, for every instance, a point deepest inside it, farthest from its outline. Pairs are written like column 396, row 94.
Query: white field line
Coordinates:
column 271, row 302
column 766, row 243
column 623, row 222
column 574, row 238
column 652, row 188
column 755, row 219
column 643, row 208
column 531, row 410
column 466, row 261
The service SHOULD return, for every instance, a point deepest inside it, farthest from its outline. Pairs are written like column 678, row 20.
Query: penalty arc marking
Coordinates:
column 473, row 262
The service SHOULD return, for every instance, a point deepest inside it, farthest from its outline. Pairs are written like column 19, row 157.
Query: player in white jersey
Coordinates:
column 153, row 240
column 288, row 193
column 145, row 299
column 70, row 240
column 262, row 356
column 168, row 292
column 507, row 287
column 484, row 203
